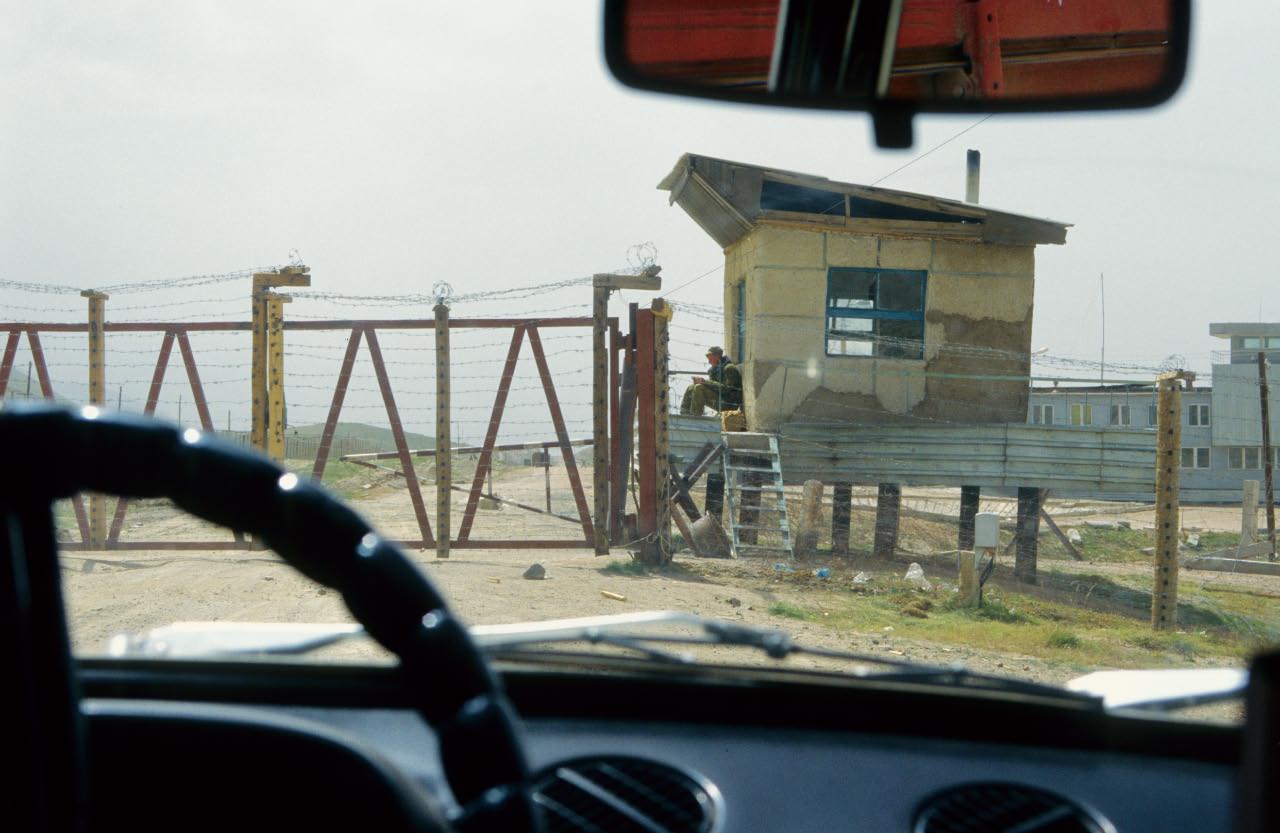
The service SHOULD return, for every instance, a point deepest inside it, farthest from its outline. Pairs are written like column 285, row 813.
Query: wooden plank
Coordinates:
column 1066, row 542
column 600, row 416
column 1233, row 565
column 644, row 282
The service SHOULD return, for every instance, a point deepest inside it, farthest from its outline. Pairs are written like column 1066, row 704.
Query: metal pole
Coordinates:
column 600, row 422
column 97, row 396
column 1164, row 595
column 444, row 446
column 1268, row 459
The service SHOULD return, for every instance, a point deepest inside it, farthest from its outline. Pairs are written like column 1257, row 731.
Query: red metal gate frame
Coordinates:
column 46, row 390
column 365, row 330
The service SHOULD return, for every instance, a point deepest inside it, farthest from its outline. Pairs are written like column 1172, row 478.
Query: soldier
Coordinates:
column 720, row 389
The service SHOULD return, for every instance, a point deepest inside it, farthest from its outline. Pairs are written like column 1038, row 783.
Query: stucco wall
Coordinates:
column 978, row 305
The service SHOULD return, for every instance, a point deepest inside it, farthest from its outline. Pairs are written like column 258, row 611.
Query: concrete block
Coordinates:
column 783, row 292
column 983, row 258
column 899, row 384
column 1000, row 297
column 850, row 250
column 773, row 391
column 905, row 254
column 787, row 247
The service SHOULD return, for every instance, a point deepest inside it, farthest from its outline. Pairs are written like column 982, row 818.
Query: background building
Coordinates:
column 1221, row 422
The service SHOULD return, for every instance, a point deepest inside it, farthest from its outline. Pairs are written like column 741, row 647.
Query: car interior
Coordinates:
column 453, row 738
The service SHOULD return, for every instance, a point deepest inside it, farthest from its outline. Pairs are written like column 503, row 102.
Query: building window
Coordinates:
column 875, row 312
column 1081, row 414
column 1244, row 457
column 1198, row 415
column 1195, row 458
column 1119, row 414
column 1273, row 342
column 1151, row 416
column 1251, row 343
column 1042, row 414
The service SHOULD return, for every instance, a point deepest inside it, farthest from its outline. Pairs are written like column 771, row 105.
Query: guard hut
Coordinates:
column 884, row 337
column 867, row 306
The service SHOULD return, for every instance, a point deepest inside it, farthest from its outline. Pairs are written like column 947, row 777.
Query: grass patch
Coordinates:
column 790, row 611
column 1115, row 545
column 1091, row 622
column 1063, row 639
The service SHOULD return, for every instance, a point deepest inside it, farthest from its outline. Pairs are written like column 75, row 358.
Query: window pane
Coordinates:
column 1235, row 458
column 1151, row 414
column 1048, row 415
column 1273, row 342
column 1252, row 458
column 856, row 290
column 1188, row 458
column 1202, row 458
column 1251, row 342
column 900, row 339
column 851, row 326
column 848, row 347
column 902, row 291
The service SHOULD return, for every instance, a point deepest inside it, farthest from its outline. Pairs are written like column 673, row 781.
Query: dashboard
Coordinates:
column 748, row 756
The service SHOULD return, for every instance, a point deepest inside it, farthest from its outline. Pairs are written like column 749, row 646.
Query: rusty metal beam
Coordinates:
column 153, row 398
column 397, row 433
column 562, row 433
column 193, row 378
column 335, row 406
column 6, row 364
column 491, row 435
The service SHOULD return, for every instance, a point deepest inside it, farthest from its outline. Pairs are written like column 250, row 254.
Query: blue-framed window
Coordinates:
column 875, row 312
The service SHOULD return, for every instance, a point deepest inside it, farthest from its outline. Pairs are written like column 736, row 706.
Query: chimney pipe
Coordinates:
column 973, row 165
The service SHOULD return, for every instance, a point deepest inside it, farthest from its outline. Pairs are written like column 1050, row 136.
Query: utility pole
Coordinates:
column 97, row 396
column 1164, row 590
column 1267, row 455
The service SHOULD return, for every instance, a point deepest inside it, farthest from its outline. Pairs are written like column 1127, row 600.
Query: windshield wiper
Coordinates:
column 643, row 633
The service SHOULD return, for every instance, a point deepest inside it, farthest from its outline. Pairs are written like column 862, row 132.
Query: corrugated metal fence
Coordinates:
column 1071, row 461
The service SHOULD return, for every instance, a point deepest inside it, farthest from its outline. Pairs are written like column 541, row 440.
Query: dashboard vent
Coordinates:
column 621, row 795
column 1003, row 808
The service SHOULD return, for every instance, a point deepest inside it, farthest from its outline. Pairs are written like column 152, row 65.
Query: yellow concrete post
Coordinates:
column 258, row 368
column 97, row 396
column 260, row 416
column 275, row 374
column 444, row 442
column 1164, row 592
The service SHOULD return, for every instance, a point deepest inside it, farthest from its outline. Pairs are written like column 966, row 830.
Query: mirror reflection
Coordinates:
column 907, row 50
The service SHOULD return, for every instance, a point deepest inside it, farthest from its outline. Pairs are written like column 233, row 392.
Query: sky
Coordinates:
column 391, row 146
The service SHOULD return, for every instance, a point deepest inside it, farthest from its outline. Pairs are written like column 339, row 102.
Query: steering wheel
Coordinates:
column 56, row 453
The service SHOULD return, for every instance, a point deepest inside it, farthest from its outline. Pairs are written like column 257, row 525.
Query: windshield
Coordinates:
column 372, row 239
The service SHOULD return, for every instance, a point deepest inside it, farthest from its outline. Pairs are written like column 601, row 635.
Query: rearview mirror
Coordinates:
column 897, row 57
